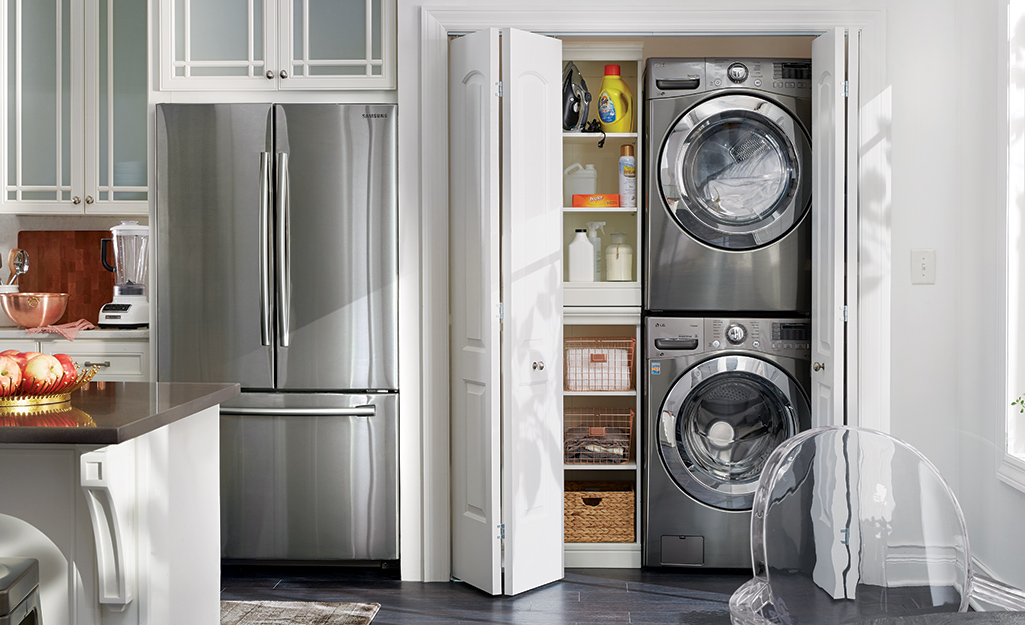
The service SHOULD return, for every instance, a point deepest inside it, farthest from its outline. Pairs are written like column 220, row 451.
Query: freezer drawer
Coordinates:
column 311, row 482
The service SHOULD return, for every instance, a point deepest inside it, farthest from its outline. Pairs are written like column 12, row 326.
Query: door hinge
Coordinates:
column 846, row 90
column 501, row 311
column 501, row 531
column 845, row 314
column 499, row 85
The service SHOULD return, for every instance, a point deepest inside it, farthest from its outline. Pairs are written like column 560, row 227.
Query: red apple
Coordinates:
column 10, row 376
column 70, row 372
column 19, row 357
column 42, row 374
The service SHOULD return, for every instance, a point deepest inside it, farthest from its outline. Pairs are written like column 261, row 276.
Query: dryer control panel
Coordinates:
column 677, row 336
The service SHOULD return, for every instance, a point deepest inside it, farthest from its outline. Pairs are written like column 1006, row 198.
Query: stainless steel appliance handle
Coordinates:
column 266, row 275
column 284, row 279
column 355, row 411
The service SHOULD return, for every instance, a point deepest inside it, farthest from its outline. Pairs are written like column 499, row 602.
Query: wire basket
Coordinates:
column 597, row 435
column 599, row 364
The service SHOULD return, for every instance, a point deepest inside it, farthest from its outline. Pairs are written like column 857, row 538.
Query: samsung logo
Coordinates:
column 375, row 116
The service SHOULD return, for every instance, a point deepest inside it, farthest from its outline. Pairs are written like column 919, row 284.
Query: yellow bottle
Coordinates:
column 615, row 102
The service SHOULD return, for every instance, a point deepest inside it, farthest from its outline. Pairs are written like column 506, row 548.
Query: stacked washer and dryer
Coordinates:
column 727, row 295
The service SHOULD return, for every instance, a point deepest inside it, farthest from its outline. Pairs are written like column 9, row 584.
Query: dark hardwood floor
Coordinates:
column 691, row 596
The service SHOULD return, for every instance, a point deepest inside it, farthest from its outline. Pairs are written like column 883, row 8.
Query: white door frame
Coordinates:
column 423, row 205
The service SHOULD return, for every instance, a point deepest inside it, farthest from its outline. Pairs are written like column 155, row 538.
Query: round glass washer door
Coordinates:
column 735, row 172
column 719, row 423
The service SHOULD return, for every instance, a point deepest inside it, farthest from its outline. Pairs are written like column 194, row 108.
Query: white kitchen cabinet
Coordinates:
column 75, row 107
column 119, row 361
column 268, row 45
column 583, row 148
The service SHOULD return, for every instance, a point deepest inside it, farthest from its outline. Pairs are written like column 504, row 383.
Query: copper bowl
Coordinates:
column 34, row 310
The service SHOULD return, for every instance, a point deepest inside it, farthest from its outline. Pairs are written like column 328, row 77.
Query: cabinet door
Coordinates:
column 116, row 137
column 506, row 398
column 829, row 67
column 42, row 153
column 218, row 44
column 336, row 44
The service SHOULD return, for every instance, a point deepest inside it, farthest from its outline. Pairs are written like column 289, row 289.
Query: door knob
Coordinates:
column 269, row 75
column 284, row 74
column 818, row 366
column 88, row 199
column 76, row 200
column 539, row 365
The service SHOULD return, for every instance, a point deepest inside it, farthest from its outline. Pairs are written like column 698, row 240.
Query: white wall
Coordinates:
column 940, row 71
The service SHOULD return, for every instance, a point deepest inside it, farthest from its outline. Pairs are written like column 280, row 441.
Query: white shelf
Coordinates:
column 597, row 136
column 600, row 209
column 601, row 294
column 599, row 393
column 603, row 555
column 629, row 466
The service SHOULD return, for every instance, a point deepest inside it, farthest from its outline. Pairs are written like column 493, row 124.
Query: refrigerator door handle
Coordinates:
column 265, row 269
column 283, row 253
column 355, row 411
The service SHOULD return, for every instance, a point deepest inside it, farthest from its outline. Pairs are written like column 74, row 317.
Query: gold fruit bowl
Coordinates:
column 34, row 310
column 41, row 403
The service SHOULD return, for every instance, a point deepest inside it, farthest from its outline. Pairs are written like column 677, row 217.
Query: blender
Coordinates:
column 130, row 308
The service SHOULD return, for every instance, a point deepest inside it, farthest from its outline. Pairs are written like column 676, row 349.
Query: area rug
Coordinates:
column 298, row 612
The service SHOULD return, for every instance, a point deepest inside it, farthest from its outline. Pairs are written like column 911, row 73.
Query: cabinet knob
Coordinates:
column 539, row 365
column 76, row 200
column 87, row 364
column 88, row 199
column 818, row 366
column 269, row 75
column 284, row 74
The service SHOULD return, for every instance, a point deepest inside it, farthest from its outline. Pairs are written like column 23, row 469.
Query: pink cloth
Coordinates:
column 67, row 330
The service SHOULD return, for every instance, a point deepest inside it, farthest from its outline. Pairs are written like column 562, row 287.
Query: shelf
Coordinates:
column 597, row 135
column 597, row 294
column 630, row 210
column 603, row 555
column 599, row 393
column 628, row 466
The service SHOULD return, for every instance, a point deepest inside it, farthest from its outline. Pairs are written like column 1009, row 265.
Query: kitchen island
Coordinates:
column 118, row 499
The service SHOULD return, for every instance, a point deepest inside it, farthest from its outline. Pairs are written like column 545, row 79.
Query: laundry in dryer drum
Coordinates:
column 608, row 200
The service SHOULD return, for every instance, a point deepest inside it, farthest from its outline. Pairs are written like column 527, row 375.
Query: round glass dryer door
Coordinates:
column 735, row 172
column 719, row 423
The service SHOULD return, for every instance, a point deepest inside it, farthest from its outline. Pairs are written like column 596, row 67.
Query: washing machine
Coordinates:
column 721, row 394
column 728, row 197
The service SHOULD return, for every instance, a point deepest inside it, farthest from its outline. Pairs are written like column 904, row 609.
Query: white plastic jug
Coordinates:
column 578, row 179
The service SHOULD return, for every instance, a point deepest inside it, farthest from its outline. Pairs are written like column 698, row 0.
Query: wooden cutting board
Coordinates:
column 68, row 261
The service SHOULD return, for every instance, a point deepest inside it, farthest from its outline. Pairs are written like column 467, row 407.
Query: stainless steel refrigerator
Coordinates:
column 277, row 268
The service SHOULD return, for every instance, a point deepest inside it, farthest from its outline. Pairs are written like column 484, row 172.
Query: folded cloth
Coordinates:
column 67, row 330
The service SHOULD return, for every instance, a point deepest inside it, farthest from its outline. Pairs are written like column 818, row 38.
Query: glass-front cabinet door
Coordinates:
column 218, row 44
column 337, row 44
column 277, row 44
column 75, row 134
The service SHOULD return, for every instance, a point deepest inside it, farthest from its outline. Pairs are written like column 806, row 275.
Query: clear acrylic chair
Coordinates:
column 850, row 524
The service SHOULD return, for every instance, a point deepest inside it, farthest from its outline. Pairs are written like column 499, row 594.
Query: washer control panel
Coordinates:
column 680, row 336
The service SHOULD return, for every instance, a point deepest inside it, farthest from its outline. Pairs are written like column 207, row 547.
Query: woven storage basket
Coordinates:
column 599, row 512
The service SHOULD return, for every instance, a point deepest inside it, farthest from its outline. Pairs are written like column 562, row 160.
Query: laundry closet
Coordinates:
column 599, row 323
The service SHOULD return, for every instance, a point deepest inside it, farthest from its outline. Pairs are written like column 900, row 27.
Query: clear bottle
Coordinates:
column 619, row 260
column 581, row 258
column 592, row 235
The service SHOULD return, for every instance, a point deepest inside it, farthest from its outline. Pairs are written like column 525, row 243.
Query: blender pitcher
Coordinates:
column 130, row 308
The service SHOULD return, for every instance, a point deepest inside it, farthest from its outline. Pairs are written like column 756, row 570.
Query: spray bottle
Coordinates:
column 592, row 235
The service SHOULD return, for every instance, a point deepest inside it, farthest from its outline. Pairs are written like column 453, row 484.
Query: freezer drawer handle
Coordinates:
column 355, row 411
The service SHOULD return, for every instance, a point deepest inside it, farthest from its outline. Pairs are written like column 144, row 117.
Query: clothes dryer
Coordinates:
column 727, row 224
column 721, row 395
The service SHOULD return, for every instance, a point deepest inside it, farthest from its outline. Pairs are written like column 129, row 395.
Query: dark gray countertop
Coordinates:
column 106, row 413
